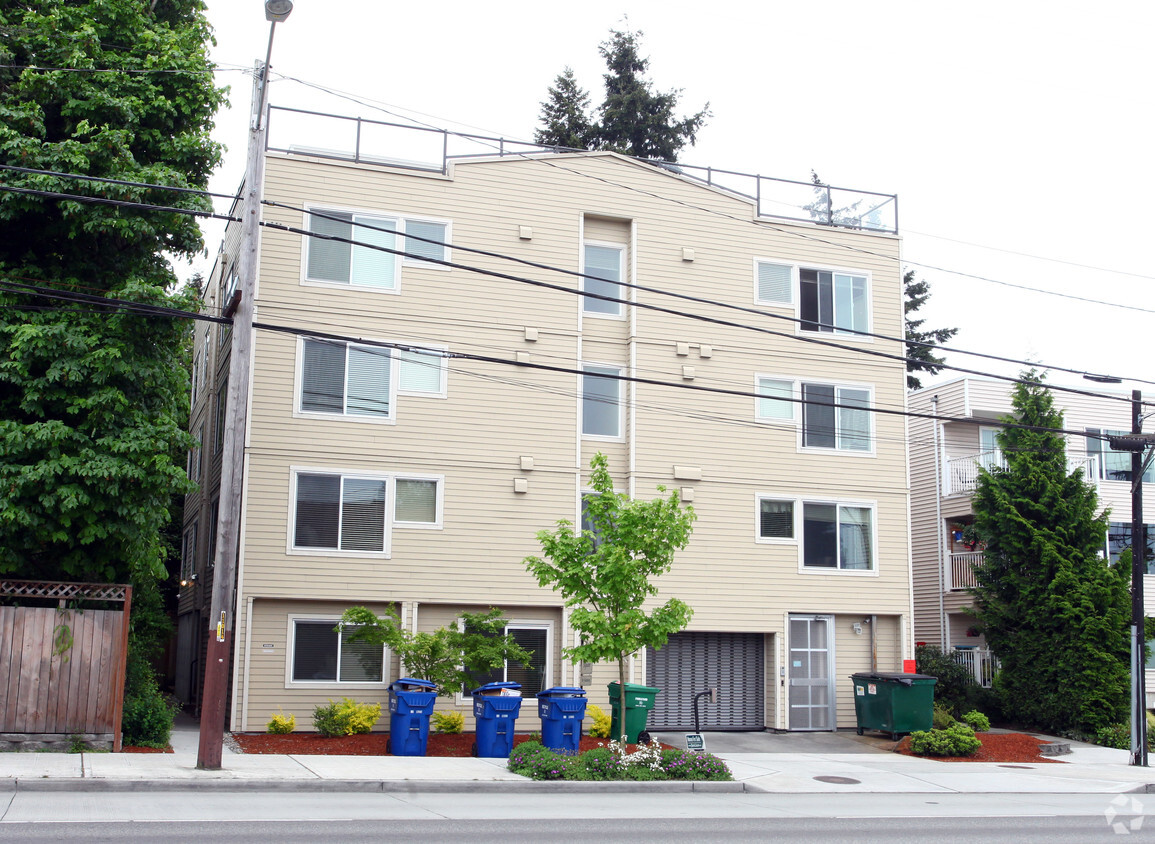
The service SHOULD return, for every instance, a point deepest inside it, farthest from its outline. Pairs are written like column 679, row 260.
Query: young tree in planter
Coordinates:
column 605, row 574
column 1051, row 607
column 449, row 657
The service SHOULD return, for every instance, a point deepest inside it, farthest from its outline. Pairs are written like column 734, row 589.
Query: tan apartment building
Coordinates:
column 945, row 456
column 415, row 419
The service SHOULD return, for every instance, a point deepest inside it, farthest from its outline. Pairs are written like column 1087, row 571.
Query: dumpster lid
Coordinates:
column 896, row 676
column 490, row 688
column 562, row 691
column 411, row 684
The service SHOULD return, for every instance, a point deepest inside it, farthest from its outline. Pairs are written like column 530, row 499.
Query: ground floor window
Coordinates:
column 322, row 653
column 534, row 677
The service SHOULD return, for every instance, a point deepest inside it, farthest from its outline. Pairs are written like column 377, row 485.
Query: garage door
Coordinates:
column 693, row 662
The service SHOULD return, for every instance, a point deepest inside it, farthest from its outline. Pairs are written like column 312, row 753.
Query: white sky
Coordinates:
column 1017, row 125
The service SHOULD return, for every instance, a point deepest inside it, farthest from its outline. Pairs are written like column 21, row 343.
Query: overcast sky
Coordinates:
column 1016, row 134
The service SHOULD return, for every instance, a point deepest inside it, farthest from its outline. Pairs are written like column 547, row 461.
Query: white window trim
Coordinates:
column 291, row 647
column 390, row 479
column 188, row 557
column 837, row 571
column 792, row 305
column 345, row 416
column 462, row 699
column 624, row 292
column 796, row 539
column 423, row 264
column 842, row 334
column 621, row 435
column 842, row 452
column 795, row 395
column 442, row 359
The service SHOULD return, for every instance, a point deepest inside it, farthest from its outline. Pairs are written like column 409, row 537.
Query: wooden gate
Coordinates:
column 61, row 668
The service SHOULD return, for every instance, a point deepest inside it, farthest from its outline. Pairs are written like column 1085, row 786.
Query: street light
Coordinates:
column 221, row 616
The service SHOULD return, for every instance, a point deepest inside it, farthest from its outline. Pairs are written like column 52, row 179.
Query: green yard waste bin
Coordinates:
column 639, row 702
column 894, row 703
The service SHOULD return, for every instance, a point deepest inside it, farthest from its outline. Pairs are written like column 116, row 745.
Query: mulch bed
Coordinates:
column 996, row 747
column 372, row 744
column 131, row 748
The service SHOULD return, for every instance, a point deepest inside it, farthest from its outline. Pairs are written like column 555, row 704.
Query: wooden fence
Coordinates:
column 61, row 668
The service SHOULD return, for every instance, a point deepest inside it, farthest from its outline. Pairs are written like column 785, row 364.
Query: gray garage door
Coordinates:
column 693, row 662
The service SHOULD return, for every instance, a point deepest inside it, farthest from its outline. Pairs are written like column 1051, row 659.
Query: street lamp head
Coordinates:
column 278, row 10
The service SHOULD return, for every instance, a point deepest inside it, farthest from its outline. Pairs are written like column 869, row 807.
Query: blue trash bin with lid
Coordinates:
column 561, row 710
column 495, row 709
column 410, row 705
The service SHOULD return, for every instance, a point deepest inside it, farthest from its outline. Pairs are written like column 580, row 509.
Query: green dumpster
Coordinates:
column 639, row 702
column 893, row 702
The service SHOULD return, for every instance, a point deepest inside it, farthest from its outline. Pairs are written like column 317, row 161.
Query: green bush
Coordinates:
column 956, row 690
column 532, row 759
column 346, row 718
column 147, row 717
column 281, row 724
column 956, row 740
column 602, row 764
column 684, row 765
column 941, row 718
column 1114, row 735
column 450, row 723
column 977, row 721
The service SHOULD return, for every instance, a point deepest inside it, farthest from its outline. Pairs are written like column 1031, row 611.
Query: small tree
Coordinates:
column 920, row 356
column 564, row 116
column 605, row 574
column 450, row 657
column 1050, row 606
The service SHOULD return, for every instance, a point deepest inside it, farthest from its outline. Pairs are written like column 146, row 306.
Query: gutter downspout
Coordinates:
column 942, row 559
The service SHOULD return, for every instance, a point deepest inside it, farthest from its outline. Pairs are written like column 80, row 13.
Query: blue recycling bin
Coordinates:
column 495, row 715
column 561, row 710
column 410, row 705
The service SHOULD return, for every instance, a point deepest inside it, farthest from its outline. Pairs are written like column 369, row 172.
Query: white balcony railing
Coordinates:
column 981, row 663
column 962, row 569
column 962, row 472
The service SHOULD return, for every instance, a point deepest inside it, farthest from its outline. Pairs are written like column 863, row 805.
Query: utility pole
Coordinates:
column 222, row 616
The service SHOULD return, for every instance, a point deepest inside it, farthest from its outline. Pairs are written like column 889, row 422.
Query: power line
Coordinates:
column 108, row 181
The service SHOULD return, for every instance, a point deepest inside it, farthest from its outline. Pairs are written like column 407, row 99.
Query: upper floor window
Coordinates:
column 602, row 267
column 776, row 400
column 832, row 301
column 601, row 401
column 774, row 283
column 222, row 406
column 836, row 417
column 775, row 519
column 1113, row 465
column 837, row 536
column 353, row 248
column 1119, row 540
column 346, row 379
column 188, row 555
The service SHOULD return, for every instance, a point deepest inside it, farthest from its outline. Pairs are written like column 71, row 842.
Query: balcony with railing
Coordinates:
column 427, row 149
column 962, row 570
column 962, row 472
column 980, row 662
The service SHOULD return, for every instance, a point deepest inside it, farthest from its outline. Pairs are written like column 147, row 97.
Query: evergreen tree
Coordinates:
column 633, row 119
column 920, row 356
column 93, row 399
column 565, row 115
column 1051, row 607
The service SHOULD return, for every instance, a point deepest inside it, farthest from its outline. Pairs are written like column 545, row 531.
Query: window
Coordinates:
column 348, row 512
column 222, row 404
column 189, row 553
column 421, row 373
column 1113, row 465
column 832, row 301
column 533, row 678
column 836, row 417
column 321, row 654
column 773, row 283
column 194, row 459
column 604, row 264
column 587, row 523
column 990, row 455
column 776, row 400
column 197, row 373
column 837, row 536
column 340, row 512
column 228, row 288
column 775, row 519
column 601, row 401
column 345, row 379
column 1119, row 540
column 214, row 520
column 366, row 263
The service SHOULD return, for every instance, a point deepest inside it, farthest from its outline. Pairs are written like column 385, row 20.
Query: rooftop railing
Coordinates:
column 343, row 138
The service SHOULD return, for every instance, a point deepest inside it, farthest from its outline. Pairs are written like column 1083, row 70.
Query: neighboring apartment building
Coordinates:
column 943, row 465
column 419, row 476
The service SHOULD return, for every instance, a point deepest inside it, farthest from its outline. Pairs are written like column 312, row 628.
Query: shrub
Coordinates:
column 346, row 718
column 1114, row 735
column 451, row 723
column 956, row 689
column 977, row 721
column 281, row 723
column 942, row 718
column 146, row 720
column 600, row 728
column 956, row 740
column 602, row 764
column 649, row 762
column 684, row 765
column 532, row 759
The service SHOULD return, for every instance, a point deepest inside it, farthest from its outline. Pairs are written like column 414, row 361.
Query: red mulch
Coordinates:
column 372, row 744
column 996, row 747
column 131, row 748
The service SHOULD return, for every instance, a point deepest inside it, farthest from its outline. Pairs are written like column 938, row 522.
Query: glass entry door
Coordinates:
column 811, row 672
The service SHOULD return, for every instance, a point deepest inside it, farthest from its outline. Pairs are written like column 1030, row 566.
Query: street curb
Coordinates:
column 369, row 786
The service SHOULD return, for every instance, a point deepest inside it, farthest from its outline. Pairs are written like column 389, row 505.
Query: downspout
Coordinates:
column 942, row 559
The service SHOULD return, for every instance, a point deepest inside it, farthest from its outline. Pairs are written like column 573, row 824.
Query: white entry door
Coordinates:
column 811, row 672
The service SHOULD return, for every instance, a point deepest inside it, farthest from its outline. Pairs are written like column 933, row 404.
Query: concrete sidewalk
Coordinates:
column 760, row 762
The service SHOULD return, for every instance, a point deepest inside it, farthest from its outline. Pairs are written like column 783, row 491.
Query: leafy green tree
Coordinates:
column 633, row 119
column 93, row 398
column 920, row 356
column 450, row 657
column 605, row 575
column 565, row 115
column 1051, row 607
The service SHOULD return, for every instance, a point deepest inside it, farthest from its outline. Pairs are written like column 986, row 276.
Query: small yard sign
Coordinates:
column 695, row 742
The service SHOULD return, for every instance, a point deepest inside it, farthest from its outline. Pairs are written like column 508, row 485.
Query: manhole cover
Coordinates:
column 839, row 780
column 1024, row 767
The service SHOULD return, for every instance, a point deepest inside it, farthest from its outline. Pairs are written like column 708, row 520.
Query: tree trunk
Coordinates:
column 622, row 697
